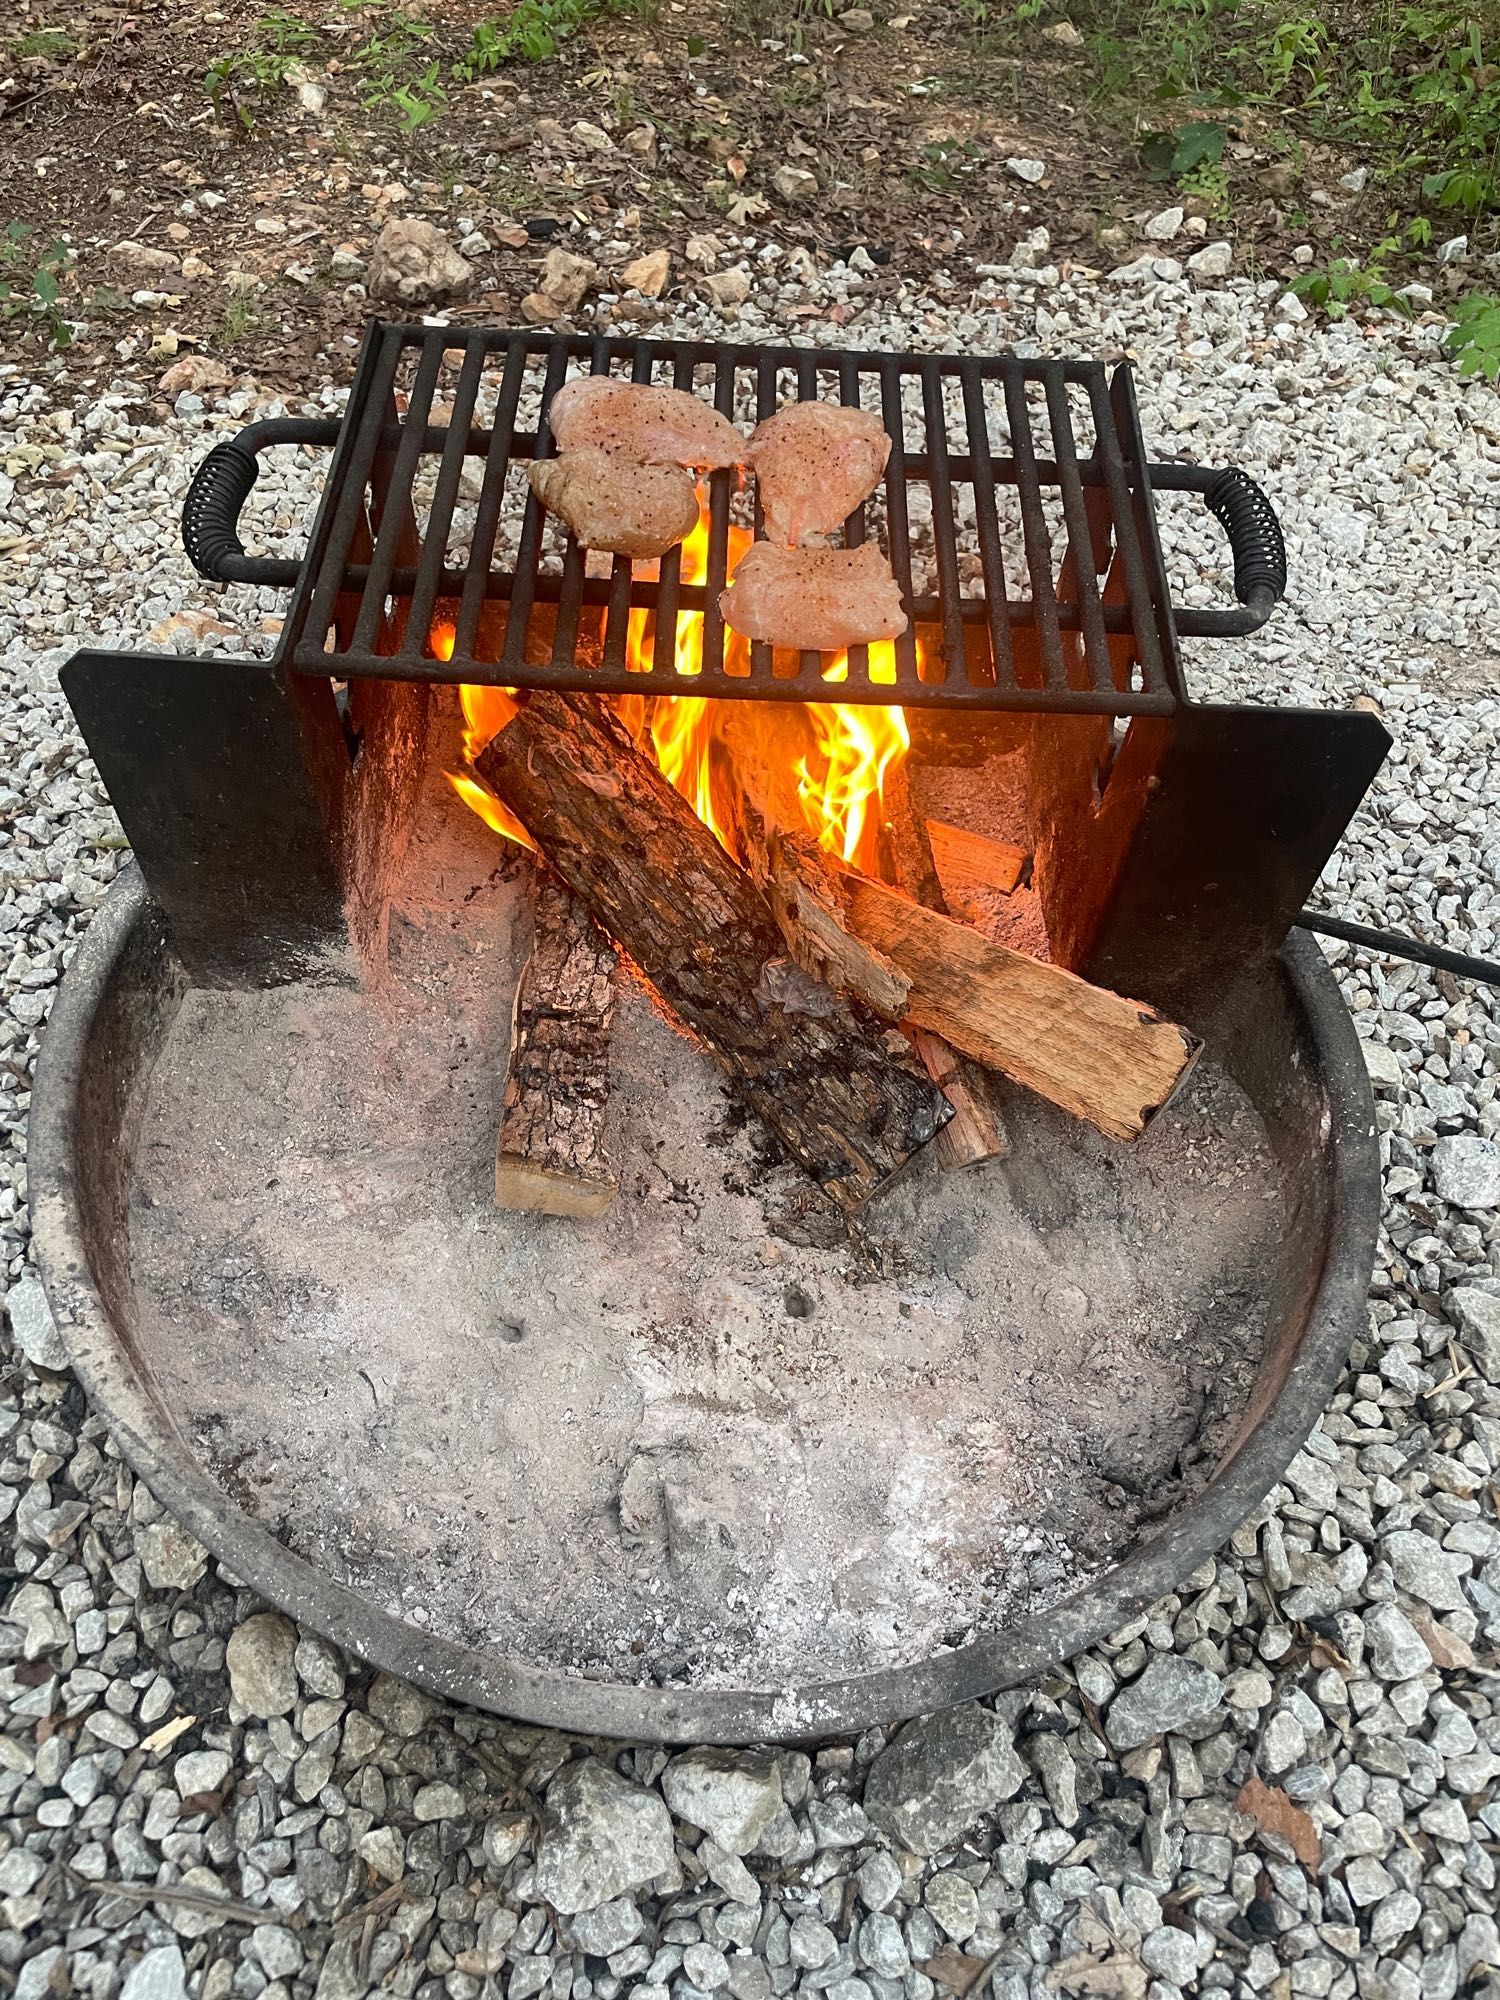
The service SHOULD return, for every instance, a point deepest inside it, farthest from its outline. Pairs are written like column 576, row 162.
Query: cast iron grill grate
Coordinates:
column 1016, row 510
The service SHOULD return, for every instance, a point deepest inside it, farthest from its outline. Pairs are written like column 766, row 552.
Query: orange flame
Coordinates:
column 486, row 711
column 840, row 782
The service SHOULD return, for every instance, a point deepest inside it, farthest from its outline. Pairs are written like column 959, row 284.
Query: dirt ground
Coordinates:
column 708, row 131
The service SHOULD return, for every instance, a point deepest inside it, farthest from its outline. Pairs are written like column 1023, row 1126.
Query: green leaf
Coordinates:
column 1199, row 144
column 44, row 284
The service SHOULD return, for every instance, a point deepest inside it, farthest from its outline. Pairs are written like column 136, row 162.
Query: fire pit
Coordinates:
column 770, row 1423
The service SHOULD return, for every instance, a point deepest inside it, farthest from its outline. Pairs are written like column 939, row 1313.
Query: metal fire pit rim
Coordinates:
column 735, row 1716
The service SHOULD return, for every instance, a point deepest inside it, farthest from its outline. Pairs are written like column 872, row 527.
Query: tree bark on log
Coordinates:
column 842, row 1096
column 550, row 1156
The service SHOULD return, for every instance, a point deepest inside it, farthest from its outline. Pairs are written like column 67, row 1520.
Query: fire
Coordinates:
column 486, row 711
column 840, row 778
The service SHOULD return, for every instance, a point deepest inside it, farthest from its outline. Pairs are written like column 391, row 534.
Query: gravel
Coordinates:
column 195, row 1798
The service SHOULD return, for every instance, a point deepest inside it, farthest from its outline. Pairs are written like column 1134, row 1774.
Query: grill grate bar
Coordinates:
column 617, row 616
column 491, row 501
column 944, row 533
column 444, row 498
column 762, row 664
column 987, row 524
column 720, row 494
column 570, row 598
column 1080, row 539
column 529, row 548
column 858, row 674
column 394, row 519
column 351, row 501
column 1127, row 541
column 1035, row 533
column 669, row 571
column 897, row 527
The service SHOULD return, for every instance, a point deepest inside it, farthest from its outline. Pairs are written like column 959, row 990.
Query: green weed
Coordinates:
column 535, row 30
column 31, row 281
column 1344, row 283
column 278, row 42
column 1474, row 337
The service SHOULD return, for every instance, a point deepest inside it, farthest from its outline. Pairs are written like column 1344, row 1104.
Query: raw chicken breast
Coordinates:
column 818, row 600
column 652, row 426
column 630, row 510
column 814, row 463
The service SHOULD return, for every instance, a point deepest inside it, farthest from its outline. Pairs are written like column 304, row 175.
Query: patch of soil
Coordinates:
column 713, row 132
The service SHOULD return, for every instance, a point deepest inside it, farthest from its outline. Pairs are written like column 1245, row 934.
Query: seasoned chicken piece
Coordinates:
column 652, row 426
column 630, row 510
column 818, row 600
column 814, row 463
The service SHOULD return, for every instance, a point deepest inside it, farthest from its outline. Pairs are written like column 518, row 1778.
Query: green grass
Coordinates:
column 51, row 44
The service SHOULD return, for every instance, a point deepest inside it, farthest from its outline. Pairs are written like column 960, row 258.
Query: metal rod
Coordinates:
column 854, row 526
column 1395, row 944
column 529, row 547
column 444, row 498
column 987, row 523
column 669, row 570
column 1037, row 535
column 393, row 518
column 565, row 633
column 474, row 591
column 351, row 501
column 944, row 532
column 897, row 528
column 1127, row 540
column 720, row 492
column 1080, row 539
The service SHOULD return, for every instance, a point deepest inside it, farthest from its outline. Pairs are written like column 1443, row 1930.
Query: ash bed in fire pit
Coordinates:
column 718, row 1462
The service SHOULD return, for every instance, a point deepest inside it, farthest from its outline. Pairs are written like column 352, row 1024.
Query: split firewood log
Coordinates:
column 843, row 1096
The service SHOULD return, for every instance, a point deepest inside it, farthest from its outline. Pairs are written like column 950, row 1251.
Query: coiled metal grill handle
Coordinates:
column 221, row 486
column 1255, row 539
column 211, row 511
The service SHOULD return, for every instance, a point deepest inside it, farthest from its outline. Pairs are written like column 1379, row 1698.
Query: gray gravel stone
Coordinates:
column 1397, row 1650
column 1466, row 1171
column 261, row 1657
column 156, row 1975
column 940, row 1774
column 1426, row 1570
column 601, row 1837
column 34, row 1328
column 608, row 1928
column 1171, row 1693
column 733, row 1796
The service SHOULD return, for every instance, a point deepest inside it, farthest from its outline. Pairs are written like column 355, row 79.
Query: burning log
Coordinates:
column 816, row 1069
column 974, row 1134
column 550, row 1156
column 1112, row 1061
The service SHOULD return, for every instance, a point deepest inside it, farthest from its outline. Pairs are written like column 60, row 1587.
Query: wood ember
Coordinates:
column 819, row 1071
column 550, row 1156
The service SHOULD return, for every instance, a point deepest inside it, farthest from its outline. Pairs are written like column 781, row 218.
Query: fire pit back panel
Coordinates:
column 683, row 1478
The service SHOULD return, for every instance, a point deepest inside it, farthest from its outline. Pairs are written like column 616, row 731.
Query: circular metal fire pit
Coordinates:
column 1294, row 1053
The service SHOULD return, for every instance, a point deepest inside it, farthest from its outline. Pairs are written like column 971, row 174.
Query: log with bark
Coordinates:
column 842, row 1095
column 550, row 1156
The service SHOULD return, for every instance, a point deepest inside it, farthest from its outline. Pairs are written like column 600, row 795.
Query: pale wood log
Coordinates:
column 1112, row 1061
column 844, row 1098
column 975, row 1132
column 550, row 1155
column 972, row 868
